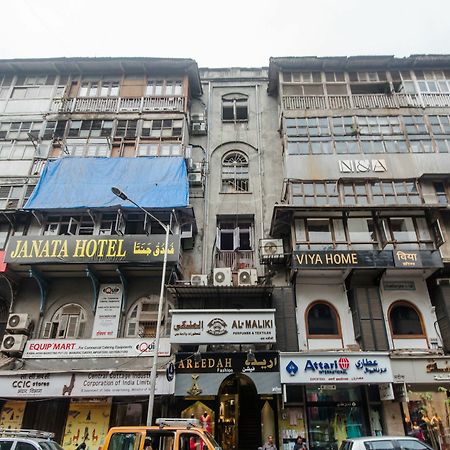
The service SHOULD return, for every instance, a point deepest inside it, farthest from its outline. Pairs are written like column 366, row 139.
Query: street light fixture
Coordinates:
column 151, row 398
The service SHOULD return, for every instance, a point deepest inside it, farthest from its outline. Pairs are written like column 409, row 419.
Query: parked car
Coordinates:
column 384, row 443
column 11, row 439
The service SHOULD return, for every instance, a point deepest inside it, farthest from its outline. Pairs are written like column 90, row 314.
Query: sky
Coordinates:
column 229, row 33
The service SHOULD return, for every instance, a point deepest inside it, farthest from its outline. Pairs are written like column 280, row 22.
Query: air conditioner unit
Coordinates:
column 222, row 277
column 199, row 280
column 443, row 281
column 195, row 178
column 13, row 343
column 198, row 128
column 195, row 167
column 271, row 248
column 247, row 277
column 18, row 323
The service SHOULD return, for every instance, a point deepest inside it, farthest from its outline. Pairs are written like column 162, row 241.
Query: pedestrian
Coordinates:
column 298, row 443
column 269, row 445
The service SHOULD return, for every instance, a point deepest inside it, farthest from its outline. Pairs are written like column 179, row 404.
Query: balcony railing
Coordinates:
column 365, row 101
column 118, row 104
column 242, row 259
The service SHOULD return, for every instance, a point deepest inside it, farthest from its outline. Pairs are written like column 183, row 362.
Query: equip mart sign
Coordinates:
column 366, row 368
column 91, row 384
column 94, row 348
column 223, row 326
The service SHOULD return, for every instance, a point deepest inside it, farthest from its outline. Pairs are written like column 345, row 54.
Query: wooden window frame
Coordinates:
column 323, row 336
column 238, row 180
column 419, row 315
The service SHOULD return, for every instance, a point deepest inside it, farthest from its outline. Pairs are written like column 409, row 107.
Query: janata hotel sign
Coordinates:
column 358, row 367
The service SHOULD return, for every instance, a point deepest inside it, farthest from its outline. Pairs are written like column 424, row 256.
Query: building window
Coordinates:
column 433, row 81
column 90, row 128
column 379, row 125
column 405, row 321
column 88, row 149
column 441, row 193
column 320, row 234
column 406, row 233
column 142, row 318
column 19, row 130
column 159, row 149
column 235, row 172
column 5, row 83
column 13, row 197
column 322, row 321
column 67, row 323
column 72, row 225
column 361, row 233
column 395, row 192
column 126, row 128
column 308, row 126
column 440, row 124
column 55, row 129
column 16, row 150
column 89, row 88
column 315, row 193
column 167, row 128
column 235, row 108
column 234, row 235
column 33, row 87
column 4, row 235
column 158, row 88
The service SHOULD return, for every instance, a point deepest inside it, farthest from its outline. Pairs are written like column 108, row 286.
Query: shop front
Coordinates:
column 234, row 393
column 422, row 384
column 335, row 395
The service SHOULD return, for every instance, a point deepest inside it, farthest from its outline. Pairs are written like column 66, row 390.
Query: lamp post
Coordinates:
column 151, row 398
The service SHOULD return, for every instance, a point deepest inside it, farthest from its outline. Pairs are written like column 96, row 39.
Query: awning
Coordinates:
column 151, row 182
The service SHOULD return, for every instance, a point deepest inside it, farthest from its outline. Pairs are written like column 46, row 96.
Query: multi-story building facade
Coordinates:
column 307, row 284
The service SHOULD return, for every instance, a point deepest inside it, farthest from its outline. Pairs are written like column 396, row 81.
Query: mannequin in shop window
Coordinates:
column 206, row 422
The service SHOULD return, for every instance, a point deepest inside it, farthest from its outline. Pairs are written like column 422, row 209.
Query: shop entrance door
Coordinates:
column 239, row 424
column 334, row 415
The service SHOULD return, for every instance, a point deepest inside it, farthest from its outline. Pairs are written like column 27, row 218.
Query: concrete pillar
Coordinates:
column 392, row 417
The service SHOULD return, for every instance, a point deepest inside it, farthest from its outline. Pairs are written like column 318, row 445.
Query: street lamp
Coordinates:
column 151, row 398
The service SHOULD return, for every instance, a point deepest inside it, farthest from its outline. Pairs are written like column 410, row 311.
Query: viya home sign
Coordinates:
column 223, row 326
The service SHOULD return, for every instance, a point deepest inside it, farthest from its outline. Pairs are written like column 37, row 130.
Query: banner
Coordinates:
column 92, row 249
column 107, row 313
column 224, row 325
column 81, row 384
column 98, row 348
column 361, row 367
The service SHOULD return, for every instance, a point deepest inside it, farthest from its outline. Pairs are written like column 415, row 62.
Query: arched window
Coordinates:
column 322, row 320
column 405, row 320
column 142, row 318
column 235, row 172
column 67, row 323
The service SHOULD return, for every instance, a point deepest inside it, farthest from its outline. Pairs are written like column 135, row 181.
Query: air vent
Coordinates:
column 13, row 344
column 199, row 280
column 222, row 277
column 18, row 323
column 247, row 277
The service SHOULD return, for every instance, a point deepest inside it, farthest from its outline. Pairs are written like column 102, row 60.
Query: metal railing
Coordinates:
column 239, row 259
column 118, row 104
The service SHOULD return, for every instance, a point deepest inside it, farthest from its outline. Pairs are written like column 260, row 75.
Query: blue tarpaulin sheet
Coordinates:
column 151, row 182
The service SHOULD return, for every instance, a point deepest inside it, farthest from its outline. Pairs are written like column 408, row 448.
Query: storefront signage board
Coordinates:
column 94, row 348
column 365, row 259
column 363, row 368
column 227, row 363
column 91, row 384
column 220, row 326
column 386, row 391
column 91, row 249
column 421, row 370
column 107, row 313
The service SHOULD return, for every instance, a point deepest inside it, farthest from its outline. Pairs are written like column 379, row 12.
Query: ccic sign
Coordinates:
column 227, row 363
column 91, row 249
column 93, row 348
column 332, row 259
column 107, row 313
column 365, row 368
column 224, row 325
column 91, row 384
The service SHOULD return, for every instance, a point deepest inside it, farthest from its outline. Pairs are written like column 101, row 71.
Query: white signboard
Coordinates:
column 94, row 348
column 220, row 326
column 365, row 368
column 91, row 384
column 386, row 391
column 107, row 313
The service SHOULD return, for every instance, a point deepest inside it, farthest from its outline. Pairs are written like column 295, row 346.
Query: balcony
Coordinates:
column 118, row 104
column 239, row 259
column 365, row 101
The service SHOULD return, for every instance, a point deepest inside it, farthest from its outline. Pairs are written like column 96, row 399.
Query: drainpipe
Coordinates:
column 260, row 150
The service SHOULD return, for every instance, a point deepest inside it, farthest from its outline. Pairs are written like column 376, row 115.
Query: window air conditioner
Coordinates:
column 195, row 166
column 271, row 248
column 13, row 343
column 18, row 323
column 195, row 178
column 222, row 277
column 199, row 280
column 198, row 128
column 247, row 277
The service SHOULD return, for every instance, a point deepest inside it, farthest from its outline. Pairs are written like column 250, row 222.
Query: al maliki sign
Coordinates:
column 224, row 325
column 88, row 249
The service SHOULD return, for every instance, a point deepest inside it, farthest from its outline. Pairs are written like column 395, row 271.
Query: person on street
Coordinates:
column 269, row 445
